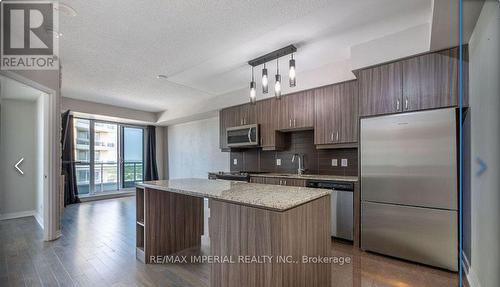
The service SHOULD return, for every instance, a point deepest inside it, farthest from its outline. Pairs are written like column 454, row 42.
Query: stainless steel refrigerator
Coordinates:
column 409, row 186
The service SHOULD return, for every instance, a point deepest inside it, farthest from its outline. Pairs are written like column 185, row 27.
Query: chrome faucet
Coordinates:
column 300, row 169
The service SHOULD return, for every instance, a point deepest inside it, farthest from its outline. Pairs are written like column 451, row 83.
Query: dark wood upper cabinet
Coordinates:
column 336, row 114
column 229, row 117
column 297, row 111
column 348, row 110
column 248, row 114
column 431, row 80
column 268, row 112
column 421, row 82
column 380, row 89
column 325, row 118
column 233, row 117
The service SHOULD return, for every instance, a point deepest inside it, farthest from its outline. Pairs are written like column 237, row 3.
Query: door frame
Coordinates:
column 52, row 204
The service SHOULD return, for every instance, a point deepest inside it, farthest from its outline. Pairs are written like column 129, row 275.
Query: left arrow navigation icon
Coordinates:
column 17, row 166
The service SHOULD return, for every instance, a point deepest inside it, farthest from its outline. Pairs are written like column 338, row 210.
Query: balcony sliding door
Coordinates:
column 132, row 155
column 109, row 156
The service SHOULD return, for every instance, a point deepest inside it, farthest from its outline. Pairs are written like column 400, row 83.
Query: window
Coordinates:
column 82, row 155
column 82, row 175
column 109, row 155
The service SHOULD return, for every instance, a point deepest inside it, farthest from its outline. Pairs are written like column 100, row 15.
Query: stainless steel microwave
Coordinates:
column 243, row 136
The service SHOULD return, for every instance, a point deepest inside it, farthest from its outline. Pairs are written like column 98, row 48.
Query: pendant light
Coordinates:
column 253, row 92
column 265, row 80
column 291, row 73
column 277, row 84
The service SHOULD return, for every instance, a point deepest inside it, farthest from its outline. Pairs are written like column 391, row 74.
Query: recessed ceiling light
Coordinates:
column 161, row 76
column 66, row 10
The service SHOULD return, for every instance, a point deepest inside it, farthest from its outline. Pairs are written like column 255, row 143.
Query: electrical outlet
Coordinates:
column 278, row 161
column 335, row 162
column 344, row 162
column 235, row 161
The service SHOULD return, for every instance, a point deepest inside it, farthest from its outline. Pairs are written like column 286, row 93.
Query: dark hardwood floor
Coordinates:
column 97, row 248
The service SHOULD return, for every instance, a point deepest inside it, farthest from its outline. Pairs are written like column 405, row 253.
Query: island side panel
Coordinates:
column 241, row 230
column 173, row 222
column 306, row 232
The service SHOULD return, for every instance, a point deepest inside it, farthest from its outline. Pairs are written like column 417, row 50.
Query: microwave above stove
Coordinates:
column 243, row 136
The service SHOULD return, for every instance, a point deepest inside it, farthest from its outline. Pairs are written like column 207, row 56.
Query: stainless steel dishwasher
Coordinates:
column 341, row 206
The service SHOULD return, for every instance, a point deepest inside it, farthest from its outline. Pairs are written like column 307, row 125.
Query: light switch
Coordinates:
column 344, row 162
column 235, row 161
column 335, row 162
column 278, row 161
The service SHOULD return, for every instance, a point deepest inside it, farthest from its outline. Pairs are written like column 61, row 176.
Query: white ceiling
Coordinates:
column 112, row 50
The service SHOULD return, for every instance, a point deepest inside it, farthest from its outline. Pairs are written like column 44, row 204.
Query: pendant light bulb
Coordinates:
column 253, row 92
column 277, row 84
column 265, row 80
column 291, row 73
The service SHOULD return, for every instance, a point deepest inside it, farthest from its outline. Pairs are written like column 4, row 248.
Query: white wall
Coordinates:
column 18, row 139
column 411, row 41
column 484, row 57
column 193, row 149
column 113, row 112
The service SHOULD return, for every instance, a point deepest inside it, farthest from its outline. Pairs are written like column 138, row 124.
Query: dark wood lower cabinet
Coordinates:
column 167, row 223
column 278, row 181
column 237, row 230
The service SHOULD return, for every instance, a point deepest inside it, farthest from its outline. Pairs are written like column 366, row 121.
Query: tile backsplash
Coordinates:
column 302, row 142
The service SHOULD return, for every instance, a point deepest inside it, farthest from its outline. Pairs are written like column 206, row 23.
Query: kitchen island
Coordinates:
column 260, row 232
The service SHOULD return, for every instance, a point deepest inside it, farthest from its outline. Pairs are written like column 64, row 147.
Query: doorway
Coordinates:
column 28, row 166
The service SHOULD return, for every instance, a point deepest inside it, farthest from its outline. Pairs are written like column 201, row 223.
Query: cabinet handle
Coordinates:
column 406, row 103
column 337, row 136
column 294, row 123
column 397, row 105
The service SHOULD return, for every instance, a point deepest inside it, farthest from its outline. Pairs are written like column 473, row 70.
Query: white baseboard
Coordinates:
column 472, row 278
column 13, row 215
column 39, row 219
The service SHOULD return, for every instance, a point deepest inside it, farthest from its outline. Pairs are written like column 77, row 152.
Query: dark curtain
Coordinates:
column 150, row 169
column 68, row 160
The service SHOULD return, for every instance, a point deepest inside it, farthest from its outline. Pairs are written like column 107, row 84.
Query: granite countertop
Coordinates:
column 308, row 176
column 266, row 196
